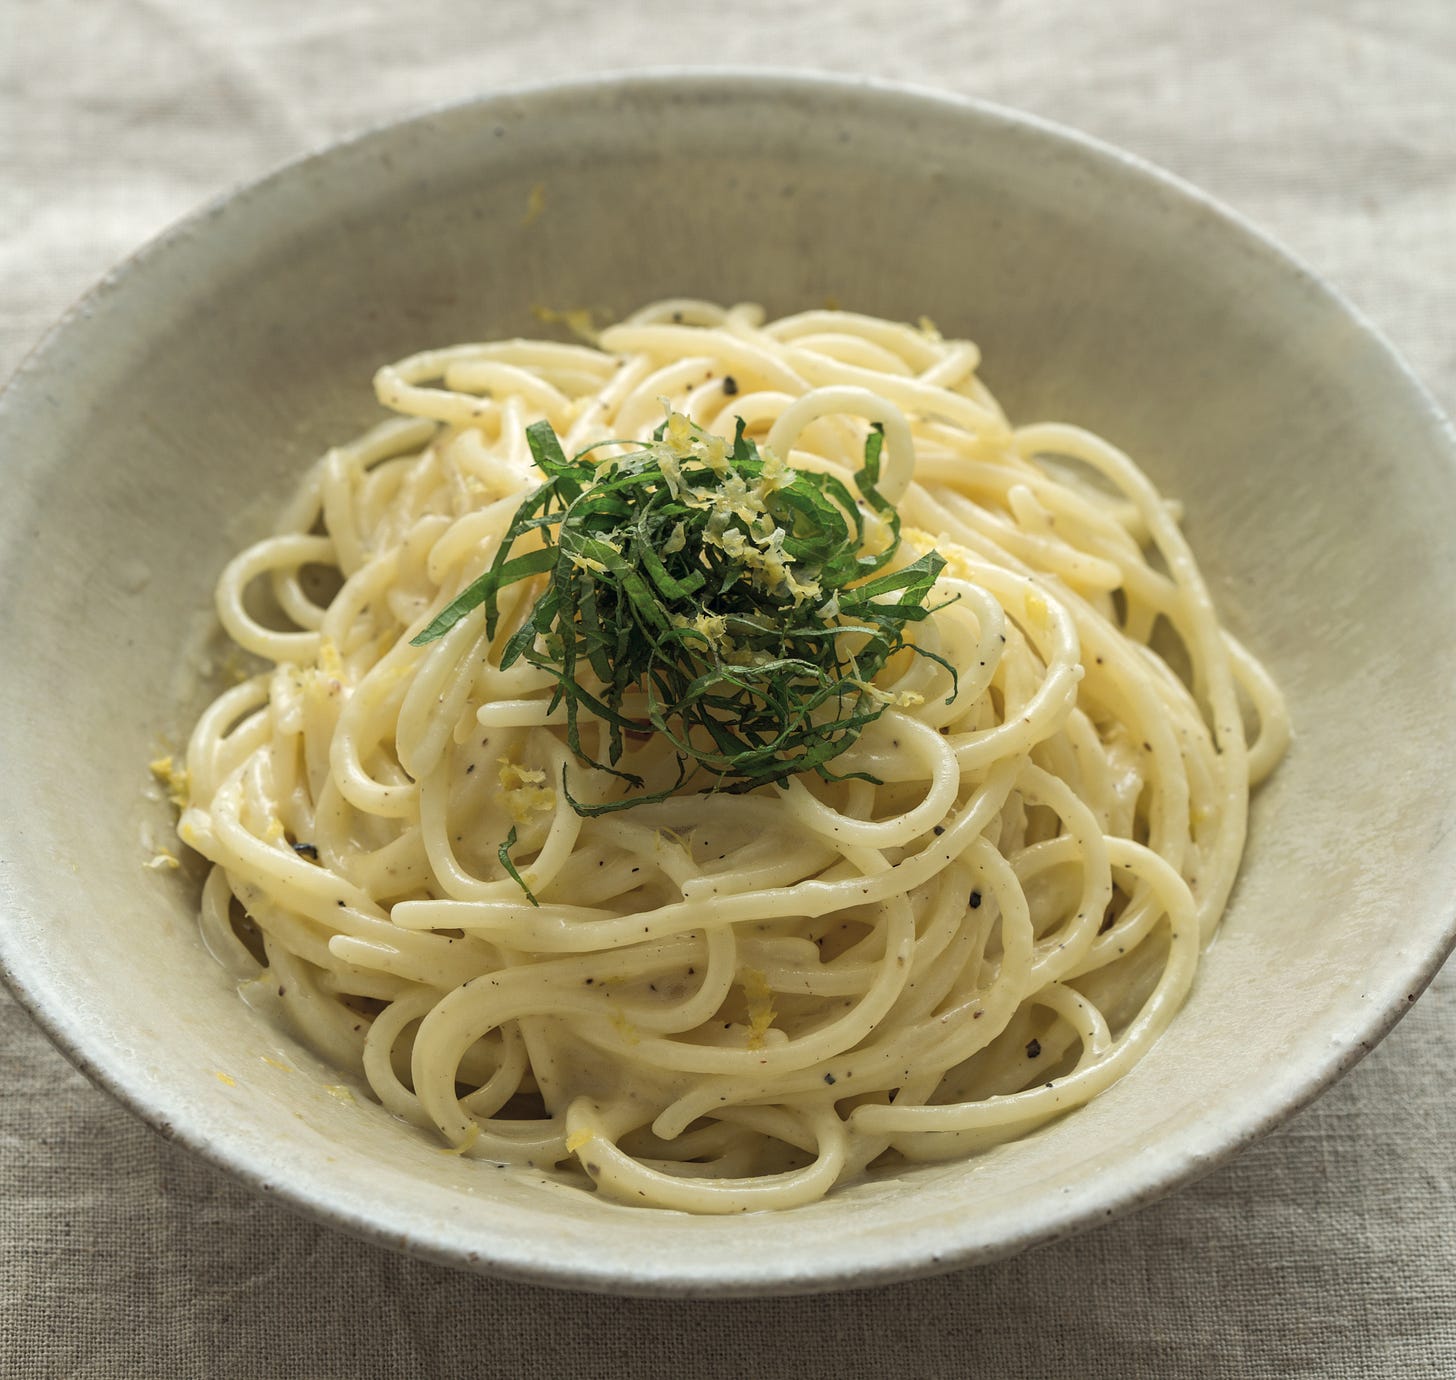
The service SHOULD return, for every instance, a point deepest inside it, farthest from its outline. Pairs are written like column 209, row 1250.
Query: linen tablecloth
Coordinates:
column 1329, row 1249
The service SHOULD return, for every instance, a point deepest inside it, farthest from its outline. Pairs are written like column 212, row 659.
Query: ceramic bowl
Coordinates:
column 165, row 418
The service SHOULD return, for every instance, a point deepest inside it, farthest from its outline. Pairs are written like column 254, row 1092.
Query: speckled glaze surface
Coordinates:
column 167, row 415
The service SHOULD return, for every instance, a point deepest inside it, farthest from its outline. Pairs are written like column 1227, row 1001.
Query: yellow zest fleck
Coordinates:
column 163, row 860
column 587, row 563
column 732, row 543
column 174, row 778
column 713, row 629
column 1038, row 613
column 471, row 1136
column 578, row 320
column 625, row 1028
column 776, row 474
column 535, row 204
column 339, row 1092
column 801, row 591
column 224, row 1079
column 275, row 1063
column 275, row 831
column 525, row 790
column 878, row 534
column 759, row 996
column 958, row 561
column 577, row 1139
column 329, row 660
column 929, row 329
column 679, row 435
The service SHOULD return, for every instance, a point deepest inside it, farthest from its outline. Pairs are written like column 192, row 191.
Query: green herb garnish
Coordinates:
column 504, row 854
column 744, row 606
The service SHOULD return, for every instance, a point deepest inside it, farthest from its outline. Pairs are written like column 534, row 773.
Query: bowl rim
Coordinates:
column 1198, row 1147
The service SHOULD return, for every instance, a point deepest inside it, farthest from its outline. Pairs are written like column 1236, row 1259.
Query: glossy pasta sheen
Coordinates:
column 728, row 1002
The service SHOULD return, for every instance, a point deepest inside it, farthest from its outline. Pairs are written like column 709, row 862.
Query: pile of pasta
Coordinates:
column 721, row 1002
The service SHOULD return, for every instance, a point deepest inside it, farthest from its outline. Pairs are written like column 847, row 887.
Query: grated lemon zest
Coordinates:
column 625, row 1028
column 176, row 779
column 471, row 1136
column 329, row 660
column 578, row 320
column 760, row 1006
column 1038, row 613
column 535, row 204
column 524, row 790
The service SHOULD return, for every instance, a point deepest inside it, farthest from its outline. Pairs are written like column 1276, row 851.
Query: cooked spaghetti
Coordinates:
column 531, row 906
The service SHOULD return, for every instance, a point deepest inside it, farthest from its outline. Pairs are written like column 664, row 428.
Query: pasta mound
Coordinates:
column 980, row 915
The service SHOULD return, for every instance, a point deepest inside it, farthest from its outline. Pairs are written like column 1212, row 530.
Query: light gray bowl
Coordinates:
column 168, row 414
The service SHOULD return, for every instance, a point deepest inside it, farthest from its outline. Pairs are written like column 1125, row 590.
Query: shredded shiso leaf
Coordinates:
column 742, row 609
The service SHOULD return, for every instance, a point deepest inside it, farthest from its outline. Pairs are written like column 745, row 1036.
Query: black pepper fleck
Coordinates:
column 1033, row 1048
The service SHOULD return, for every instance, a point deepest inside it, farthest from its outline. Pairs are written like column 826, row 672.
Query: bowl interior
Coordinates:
column 165, row 420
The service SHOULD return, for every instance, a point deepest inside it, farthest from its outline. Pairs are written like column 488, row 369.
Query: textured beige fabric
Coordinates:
column 1327, row 1250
